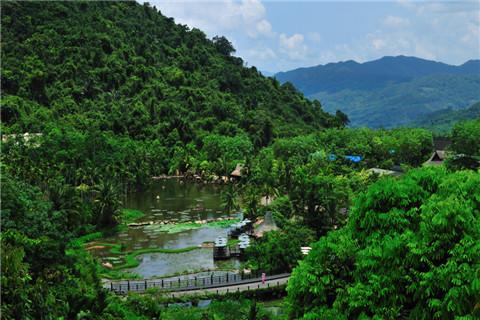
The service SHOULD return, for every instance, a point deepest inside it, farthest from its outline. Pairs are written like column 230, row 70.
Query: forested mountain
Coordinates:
column 390, row 91
column 442, row 121
column 125, row 68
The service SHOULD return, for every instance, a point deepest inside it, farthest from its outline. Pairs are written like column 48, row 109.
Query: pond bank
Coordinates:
column 214, row 179
column 181, row 219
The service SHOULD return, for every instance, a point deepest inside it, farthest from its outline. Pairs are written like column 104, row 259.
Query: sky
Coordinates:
column 283, row 35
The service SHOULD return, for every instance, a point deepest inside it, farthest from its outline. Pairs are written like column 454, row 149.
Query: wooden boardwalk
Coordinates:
column 239, row 287
column 195, row 285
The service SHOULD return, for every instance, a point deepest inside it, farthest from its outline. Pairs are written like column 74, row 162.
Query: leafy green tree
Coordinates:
column 230, row 198
column 399, row 255
column 250, row 201
column 15, row 279
column 223, row 46
column 279, row 251
column 466, row 145
column 107, row 203
column 319, row 200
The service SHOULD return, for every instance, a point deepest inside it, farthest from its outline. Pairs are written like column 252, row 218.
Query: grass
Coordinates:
column 127, row 216
column 273, row 303
column 130, row 215
column 232, row 242
column 132, row 262
column 80, row 241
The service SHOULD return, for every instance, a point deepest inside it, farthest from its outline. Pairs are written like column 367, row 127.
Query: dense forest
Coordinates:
column 98, row 97
column 441, row 122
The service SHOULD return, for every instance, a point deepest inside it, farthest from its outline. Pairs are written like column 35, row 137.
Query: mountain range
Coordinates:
column 391, row 91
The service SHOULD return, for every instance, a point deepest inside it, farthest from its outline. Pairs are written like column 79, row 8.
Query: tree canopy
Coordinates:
column 410, row 249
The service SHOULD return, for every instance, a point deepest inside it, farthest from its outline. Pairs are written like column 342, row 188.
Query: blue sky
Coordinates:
column 282, row 35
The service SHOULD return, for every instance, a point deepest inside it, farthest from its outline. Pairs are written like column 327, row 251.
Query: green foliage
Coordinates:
column 279, row 251
column 410, row 250
column 84, row 65
column 466, row 145
column 179, row 227
column 130, row 215
column 230, row 198
column 441, row 122
column 318, row 200
column 400, row 104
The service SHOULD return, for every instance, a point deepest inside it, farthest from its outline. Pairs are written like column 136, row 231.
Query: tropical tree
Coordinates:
column 411, row 250
column 230, row 198
column 279, row 251
column 250, row 201
column 320, row 200
column 107, row 203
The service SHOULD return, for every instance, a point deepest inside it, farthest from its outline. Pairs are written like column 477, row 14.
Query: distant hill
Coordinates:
column 442, row 121
column 390, row 91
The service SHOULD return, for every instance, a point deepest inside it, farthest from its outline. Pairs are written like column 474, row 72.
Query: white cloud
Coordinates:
column 444, row 30
column 261, row 54
column 262, row 28
column 378, row 43
column 218, row 17
column 396, row 22
column 315, row 37
column 293, row 46
column 290, row 43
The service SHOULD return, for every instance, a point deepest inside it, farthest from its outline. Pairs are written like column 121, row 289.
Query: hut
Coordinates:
column 237, row 173
column 268, row 224
column 436, row 159
column 384, row 172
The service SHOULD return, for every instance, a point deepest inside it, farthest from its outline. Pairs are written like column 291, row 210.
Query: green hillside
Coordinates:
column 125, row 68
column 403, row 103
column 442, row 121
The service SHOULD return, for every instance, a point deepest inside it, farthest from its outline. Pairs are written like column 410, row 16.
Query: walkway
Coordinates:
column 199, row 285
column 233, row 288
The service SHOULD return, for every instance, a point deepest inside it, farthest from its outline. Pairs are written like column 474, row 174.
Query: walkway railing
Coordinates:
column 190, row 284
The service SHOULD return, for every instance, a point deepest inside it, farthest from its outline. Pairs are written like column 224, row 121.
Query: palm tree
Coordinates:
column 230, row 198
column 107, row 203
column 250, row 201
column 269, row 191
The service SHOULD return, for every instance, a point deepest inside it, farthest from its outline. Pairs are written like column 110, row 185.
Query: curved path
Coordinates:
column 180, row 287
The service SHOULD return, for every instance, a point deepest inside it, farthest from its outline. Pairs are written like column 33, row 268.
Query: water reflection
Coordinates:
column 171, row 200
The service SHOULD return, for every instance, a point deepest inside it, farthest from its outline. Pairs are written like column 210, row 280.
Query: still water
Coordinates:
column 177, row 201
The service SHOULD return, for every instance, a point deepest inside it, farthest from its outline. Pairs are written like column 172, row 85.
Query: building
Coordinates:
column 237, row 173
column 436, row 159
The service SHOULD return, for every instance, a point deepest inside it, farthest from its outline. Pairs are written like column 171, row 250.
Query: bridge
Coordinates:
column 198, row 285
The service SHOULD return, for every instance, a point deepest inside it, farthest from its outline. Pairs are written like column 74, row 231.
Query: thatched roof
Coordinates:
column 268, row 224
column 238, row 171
column 437, row 158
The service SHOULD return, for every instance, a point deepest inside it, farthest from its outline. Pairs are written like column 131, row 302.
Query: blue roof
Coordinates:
column 355, row 159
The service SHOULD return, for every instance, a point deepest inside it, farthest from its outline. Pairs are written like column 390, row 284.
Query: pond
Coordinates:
column 175, row 201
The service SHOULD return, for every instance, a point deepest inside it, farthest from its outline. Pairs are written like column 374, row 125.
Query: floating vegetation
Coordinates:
column 179, row 227
column 130, row 215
